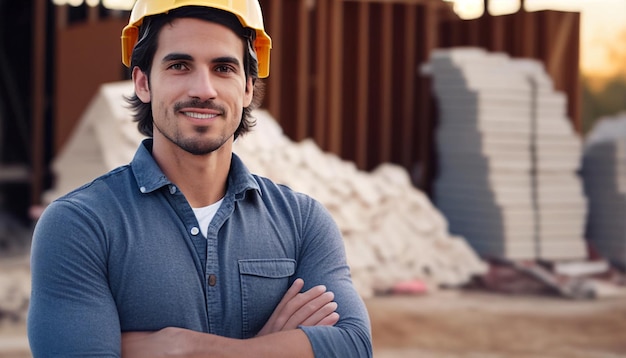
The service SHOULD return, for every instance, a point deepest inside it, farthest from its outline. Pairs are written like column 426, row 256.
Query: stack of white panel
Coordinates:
column 483, row 143
column 604, row 176
column 556, row 149
column 507, row 157
column 107, row 121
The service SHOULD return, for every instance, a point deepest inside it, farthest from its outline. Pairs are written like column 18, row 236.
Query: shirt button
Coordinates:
column 195, row 231
column 173, row 189
column 142, row 189
column 212, row 280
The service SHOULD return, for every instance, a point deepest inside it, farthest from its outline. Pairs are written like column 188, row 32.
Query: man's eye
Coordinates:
column 177, row 66
column 224, row 68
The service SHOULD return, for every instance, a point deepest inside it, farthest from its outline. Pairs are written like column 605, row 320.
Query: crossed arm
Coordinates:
column 74, row 312
column 279, row 337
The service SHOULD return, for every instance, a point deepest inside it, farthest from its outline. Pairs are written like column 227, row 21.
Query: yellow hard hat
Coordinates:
column 247, row 11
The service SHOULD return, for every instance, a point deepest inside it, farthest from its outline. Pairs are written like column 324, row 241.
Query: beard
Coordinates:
column 197, row 143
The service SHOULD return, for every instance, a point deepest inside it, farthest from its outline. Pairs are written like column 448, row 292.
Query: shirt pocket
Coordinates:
column 263, row 284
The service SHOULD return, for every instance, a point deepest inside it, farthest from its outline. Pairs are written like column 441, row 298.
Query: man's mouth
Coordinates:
column 200, row 115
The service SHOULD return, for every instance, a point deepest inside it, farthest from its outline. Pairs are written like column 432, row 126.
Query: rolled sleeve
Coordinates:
column 323, row 261
column 71, row 313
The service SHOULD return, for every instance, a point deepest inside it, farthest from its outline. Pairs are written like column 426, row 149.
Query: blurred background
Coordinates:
column 55, row 55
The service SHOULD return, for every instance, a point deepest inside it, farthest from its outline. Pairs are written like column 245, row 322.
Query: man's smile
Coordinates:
column 198, row 115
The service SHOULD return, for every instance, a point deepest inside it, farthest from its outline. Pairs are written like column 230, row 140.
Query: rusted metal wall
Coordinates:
column 85, row 60
column 346, row 72
column 87, row 54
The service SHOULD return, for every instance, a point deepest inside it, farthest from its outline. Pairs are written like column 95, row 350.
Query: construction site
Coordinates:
column 480, row 217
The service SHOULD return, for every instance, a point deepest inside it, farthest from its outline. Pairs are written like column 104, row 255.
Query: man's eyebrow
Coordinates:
column 183, row 56
column 177, row 57
column 227, row 59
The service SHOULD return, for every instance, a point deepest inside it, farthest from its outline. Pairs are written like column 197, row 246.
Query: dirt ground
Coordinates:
column 475, row 324
column 460, row 323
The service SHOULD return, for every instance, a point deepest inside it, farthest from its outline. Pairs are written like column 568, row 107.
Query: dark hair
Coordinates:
column 144, row 50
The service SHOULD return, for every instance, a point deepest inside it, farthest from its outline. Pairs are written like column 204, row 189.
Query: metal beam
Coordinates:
column 38, row 99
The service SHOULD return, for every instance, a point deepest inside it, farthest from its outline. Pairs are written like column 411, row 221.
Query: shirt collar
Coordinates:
column 149, row 176
column 240, row 180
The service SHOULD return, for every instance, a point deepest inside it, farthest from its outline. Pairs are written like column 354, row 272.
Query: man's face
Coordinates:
column 198, row 86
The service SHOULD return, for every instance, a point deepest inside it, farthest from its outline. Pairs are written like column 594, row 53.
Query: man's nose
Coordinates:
column 203, row 86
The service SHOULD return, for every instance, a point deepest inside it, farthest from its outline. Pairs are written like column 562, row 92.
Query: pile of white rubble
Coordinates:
column 392, row 232
column 14, row 290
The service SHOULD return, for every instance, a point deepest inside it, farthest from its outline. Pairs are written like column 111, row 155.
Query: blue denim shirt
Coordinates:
column 124, row 253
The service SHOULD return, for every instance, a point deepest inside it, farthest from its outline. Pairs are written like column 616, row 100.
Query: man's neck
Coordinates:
column 201, row 178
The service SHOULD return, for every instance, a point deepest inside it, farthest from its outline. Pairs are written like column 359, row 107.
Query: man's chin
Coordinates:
column 201, row 147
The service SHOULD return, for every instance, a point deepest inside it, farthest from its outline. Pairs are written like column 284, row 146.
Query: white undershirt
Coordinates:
column 205, row 214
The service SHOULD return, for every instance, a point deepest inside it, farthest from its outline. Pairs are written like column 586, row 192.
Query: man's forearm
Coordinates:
column 178, row 342
column 278, row 338
column 292, row 343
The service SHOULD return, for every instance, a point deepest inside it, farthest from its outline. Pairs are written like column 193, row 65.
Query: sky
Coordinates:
column 603, row 28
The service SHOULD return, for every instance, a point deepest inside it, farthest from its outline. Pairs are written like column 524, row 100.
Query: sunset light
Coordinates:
column 603, row 28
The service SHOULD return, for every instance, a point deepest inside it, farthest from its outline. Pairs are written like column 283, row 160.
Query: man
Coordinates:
column 183, row 252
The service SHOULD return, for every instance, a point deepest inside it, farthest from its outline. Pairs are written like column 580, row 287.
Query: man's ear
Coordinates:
column 142, row 87
column 249, row 93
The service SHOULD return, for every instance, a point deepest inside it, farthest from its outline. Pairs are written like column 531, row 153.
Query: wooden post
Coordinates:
column 302, row 86
column 321, row 74
column 385, row 93
column 38, row 99
column 362, row 87
column 275, row 31
column 335, row 98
